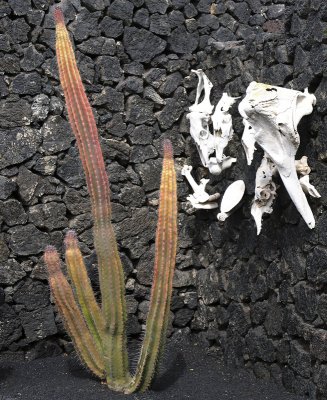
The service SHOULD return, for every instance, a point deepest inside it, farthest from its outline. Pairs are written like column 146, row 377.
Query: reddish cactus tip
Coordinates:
column 168, row 149
column 70, row 238
column 52, row 260
column 50, row 249
column 59, row 16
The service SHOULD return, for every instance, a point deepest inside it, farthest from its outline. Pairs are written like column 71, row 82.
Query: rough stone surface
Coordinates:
column 110, row 97
column 182, row 41
column 111, row 27
column 11, row 272
column 48, row 216
column 260, row 300
column 14, row 113
column 26, row 83
column 142, row 45
column 7, row 186
column 139, row 111
column 56, row 135
column 121, row 9
column 10, row 324
column 109, row 68
column 17, row 145
column 27, row 240
column 12, row 212
column 32, row 295
column 38, row 324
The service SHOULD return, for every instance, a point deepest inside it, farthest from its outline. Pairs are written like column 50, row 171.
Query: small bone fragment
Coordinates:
column 248, row 141
column 216, row 169
column 231, row 198
column 308, row 187
column 209, row 205
column 222, row 124
column 204, row 140
column 265, row 191
column 302, row 167
column 200, row 198
column 219, row 46
column 205, row 85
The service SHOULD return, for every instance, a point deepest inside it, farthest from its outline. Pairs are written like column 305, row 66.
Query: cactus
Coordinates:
column 99, row 331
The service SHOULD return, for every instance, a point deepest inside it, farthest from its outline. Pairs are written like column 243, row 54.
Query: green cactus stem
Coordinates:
column 99, row 333
column 164, row 265
column 72, row 315
column 83, row 289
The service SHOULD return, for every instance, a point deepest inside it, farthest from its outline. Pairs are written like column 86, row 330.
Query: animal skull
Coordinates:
column 273, row 114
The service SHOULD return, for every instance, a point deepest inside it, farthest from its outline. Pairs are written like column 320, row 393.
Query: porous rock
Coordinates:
column 17, row 145
column 11, row 329
column 142, row 45
column 27, row 240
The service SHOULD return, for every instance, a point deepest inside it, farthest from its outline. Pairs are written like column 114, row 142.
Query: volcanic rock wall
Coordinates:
column 261, row 301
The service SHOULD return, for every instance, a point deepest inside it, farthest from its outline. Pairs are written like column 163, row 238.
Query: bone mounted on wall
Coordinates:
column 271, row 115
column 211, row 145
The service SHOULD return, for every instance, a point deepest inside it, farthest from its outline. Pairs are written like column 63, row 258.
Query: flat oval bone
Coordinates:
column 232, row 196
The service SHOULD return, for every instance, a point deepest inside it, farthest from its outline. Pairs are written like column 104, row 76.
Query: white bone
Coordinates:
column 264, row 175
column 199, row 189
column 222, row 124
column 231, row 198
column 265, row 191
column 199, row 118
column 274, row 114
column 199, row 130
column 206, row 206
column 248, row 141
column 308, row 187
column 257, row 211
column 200, row 198
column 205, row 85
column 215, row 168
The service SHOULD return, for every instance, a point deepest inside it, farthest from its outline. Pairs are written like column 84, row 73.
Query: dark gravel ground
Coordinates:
column 187, row 373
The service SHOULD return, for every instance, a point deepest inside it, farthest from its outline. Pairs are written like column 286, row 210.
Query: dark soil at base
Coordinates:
column 187, row 373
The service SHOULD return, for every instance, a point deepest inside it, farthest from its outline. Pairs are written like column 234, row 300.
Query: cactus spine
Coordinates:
column 98, row 332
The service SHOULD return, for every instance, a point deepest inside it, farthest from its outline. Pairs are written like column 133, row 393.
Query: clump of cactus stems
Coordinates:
column 98, row 331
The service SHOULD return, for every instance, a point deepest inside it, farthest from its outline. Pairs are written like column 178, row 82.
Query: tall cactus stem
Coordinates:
column 165, row 254
column 110, row 268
